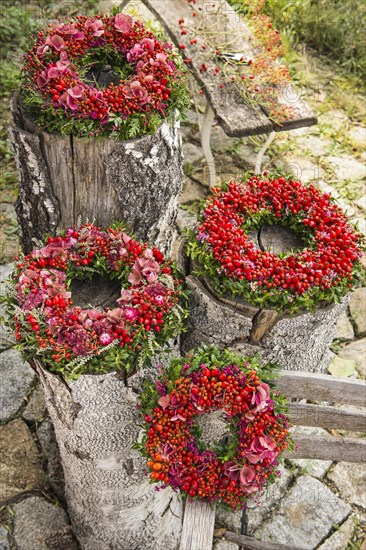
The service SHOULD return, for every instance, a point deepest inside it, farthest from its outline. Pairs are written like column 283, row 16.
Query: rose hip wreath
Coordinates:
column 146, row 79
column 72, row 340
column 322, row 272
column 229, row 471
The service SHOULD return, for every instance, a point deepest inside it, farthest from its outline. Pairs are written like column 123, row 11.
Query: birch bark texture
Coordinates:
column 110, row 502
column 64, row 179
column 297, row 342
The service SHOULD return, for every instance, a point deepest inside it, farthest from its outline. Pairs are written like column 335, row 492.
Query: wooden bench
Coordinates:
column 199, row 517
column 237, row 116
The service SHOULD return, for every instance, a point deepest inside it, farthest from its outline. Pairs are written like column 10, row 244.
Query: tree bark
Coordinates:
column 63, row 180
column 297, row 342
column 111, row 504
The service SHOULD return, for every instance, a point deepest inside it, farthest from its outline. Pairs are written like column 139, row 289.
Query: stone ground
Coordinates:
column 315, row 504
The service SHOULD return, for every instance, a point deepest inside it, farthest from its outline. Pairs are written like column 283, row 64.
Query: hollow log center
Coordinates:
column 96, row 292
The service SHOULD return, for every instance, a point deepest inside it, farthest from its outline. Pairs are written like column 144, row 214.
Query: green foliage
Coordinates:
column 332, row 27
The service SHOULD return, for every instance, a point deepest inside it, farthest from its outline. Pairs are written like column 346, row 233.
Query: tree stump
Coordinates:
column 297, row 342
column 111, row 504
column 66, row 179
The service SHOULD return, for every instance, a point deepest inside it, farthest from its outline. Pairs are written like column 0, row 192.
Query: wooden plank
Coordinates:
column 339, row 449
column 238, row 116
column 249, row 543
column 198, row 526
column 306, row 414
column 322, row 387
column 235, row 116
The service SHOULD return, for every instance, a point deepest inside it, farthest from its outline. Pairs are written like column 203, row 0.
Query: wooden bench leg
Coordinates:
column 198, row 526
column 206, row 127
column 261, row 153
column 123, row 4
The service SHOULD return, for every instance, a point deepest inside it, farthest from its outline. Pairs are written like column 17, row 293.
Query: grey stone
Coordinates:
column 220, row 544
column 247, row 156
column 20, row 470
column 312, row 467
column 302, row 168
column 6, row 270
column 346, row 168
column 357, row 136
column 342, row 367
column 192, row 191
column 344, row 328
column 4, row 541
column 192, row 153
column 350, row 480
column 35, row 521
column 356, row 351
column 361, row 202
column 334, row 119
column 340, row 539
column 16, row 379
column 47, row 439
column 305, row 516
column 316, row 145
column 259, row 509
column 185, row 219
column 357, row 309
column 36, row 409
column 219, row 140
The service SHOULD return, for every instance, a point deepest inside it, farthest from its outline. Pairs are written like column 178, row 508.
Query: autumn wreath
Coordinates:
column 71, row 340
column 147, row 81
column 322, row 272
column 228, row 471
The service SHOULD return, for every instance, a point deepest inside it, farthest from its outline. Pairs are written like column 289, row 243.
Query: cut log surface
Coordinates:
column 198, row 526
column 64, row 180
column 111, row 504
column 218, row 23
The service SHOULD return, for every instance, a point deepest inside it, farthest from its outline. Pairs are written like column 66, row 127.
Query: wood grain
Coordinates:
column 249, row 543
column 338, row 449
column 236, row 115
column 198, row 526
column 322, row 387
column 307, row 414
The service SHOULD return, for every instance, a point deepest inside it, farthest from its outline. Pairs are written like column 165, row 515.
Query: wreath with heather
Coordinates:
column 146, row 81
column 71, row 340
column 240, row 465
column 321, row 273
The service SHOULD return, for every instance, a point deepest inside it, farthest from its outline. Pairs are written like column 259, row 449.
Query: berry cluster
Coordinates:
column 70, row 339
column 321, row 272
column 147, row 70
column 229, row 472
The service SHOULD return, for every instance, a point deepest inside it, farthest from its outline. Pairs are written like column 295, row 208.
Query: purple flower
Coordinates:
column 105, row 339
column 56, row 42
column 95, row 25
column 130, row 314
column 134, row 90
column 261, row 448
column 122, row 22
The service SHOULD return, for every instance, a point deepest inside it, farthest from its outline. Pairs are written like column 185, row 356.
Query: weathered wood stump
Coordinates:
column 111, row 504
column 64, row 179
column 297, row 342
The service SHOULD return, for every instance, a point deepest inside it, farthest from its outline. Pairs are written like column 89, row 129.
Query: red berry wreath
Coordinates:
column 229, row 472
column 147, row 84
column 72, row 340
column 323, row 271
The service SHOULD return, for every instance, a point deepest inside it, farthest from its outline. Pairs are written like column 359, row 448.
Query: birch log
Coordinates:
column 62, row 179
column 297, row 342
column 110, row 502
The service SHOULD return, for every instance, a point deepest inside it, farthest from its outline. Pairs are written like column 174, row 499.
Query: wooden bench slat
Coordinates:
column 237, row 117
column 249, row 543
column 306, row 414
column 198, row 526
column 322, row 387
column 338, row 449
